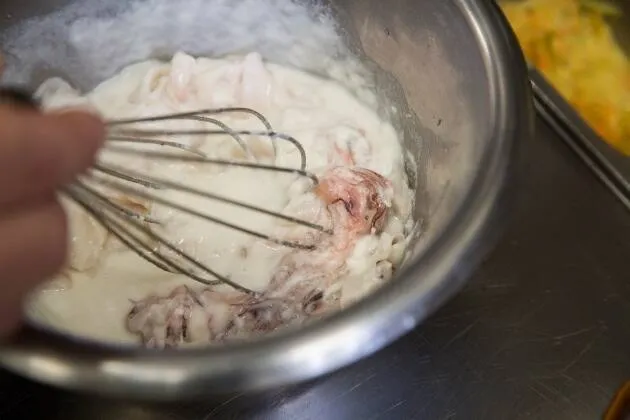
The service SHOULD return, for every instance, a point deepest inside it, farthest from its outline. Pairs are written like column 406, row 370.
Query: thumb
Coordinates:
column 40, row 152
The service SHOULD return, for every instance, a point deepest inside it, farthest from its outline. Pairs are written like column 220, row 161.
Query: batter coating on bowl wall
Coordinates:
column 363, row 197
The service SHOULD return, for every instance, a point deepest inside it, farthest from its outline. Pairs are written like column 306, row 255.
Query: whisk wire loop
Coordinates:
column 139, row 231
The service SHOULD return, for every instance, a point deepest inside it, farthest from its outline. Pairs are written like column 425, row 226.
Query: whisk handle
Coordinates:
column 17, row 97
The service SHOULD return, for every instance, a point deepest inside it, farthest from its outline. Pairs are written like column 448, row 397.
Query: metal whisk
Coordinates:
column 133, row 228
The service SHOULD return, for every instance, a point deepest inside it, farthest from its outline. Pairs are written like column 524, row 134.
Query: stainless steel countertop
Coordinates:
column 541, row 331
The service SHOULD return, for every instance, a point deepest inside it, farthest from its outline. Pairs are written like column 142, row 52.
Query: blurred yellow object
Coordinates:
column 570, row 42
column 619, row 408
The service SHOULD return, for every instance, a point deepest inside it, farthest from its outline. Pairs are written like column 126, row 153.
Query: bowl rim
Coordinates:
column 364, row 328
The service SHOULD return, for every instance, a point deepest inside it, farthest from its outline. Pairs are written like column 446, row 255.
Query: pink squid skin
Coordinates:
column 357, row 201
column 361, row 193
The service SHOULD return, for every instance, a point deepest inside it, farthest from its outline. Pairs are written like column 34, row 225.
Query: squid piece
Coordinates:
column 87, row 238
column 56, row 93
column 188, row 316
column 162, row 322
column 255, row 83
column 181, row 76
column 358, row 199
column 248, row 83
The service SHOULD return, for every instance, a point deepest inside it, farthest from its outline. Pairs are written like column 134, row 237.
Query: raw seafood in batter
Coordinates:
column 356, row 200
column 363, row 197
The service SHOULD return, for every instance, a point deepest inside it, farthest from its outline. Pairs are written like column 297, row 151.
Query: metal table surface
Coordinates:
column 541, row 331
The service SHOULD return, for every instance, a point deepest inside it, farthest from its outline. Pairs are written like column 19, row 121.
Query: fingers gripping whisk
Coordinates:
column 131, row 222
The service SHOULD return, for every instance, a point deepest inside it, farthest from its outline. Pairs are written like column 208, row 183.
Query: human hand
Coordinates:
column 38, row 154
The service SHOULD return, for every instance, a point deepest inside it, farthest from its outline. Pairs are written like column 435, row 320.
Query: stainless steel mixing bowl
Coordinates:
column 458, row 85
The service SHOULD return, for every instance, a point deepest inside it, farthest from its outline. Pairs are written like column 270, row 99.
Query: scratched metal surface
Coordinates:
column 541, row 332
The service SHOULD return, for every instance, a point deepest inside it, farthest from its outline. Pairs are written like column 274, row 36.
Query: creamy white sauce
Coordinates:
column 94, row 294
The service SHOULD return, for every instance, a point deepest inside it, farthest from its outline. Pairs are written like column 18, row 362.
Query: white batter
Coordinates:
column 95, row 293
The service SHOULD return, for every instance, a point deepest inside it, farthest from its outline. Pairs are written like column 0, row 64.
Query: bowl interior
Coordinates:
column 423, row 58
